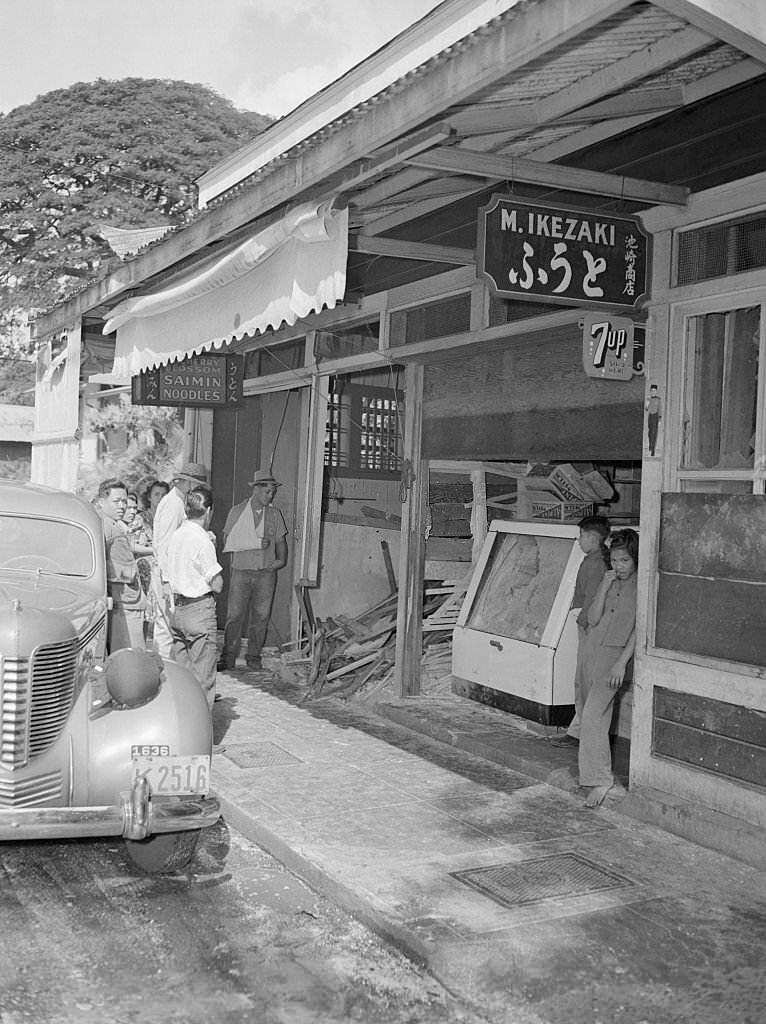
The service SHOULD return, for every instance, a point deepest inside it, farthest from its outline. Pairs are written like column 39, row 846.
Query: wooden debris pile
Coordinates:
column 352, row 654
column 348, row 653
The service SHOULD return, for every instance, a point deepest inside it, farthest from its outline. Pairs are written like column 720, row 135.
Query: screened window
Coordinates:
column 430, row 320
column 722, row 432
column 341, row 342
column 286, row 356
column 716, row 250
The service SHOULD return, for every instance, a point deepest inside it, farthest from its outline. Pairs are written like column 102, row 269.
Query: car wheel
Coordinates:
column 166, row 851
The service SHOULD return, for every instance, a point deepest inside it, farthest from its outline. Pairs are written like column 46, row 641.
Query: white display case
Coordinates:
column 515, row 642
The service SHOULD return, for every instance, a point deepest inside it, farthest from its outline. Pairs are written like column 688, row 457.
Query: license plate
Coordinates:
column 174, row 776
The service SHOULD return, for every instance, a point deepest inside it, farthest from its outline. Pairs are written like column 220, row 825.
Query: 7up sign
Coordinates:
column 607, row 346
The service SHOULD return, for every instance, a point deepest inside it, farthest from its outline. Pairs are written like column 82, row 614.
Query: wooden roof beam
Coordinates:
column 628, row 104
column 440, row 190
column 389, row 218
column 498, row 119
column 388, row 157
column 719, row 81
column 423, row 251
column 612, row 79
column 572, row 179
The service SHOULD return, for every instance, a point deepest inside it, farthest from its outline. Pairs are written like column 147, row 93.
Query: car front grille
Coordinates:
column 35, row 700
column 27, row 792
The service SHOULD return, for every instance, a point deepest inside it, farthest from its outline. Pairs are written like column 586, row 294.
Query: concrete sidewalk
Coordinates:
column 519, row 900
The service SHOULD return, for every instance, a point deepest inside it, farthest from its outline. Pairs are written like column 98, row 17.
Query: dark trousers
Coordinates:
column 654, row 426
column 251, row 594
column 195, row 641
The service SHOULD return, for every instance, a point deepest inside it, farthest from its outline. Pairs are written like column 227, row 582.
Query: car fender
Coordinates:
column 177, row 720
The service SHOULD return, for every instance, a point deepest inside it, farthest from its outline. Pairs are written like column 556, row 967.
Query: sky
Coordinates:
column 263, row 55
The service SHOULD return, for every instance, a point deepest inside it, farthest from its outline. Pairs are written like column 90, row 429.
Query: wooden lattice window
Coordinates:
column 363, row 435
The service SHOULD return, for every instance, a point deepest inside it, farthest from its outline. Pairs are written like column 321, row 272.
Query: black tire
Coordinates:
column 164, row 852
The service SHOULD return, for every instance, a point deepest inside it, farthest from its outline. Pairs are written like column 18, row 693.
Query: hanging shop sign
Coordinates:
column 199, row 381
column 607, row 346
column 561, row 255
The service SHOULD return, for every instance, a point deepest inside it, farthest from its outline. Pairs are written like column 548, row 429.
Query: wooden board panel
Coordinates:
column 701, row 748
column 596, row 433
column 714, row 618
column 539, row 370
column 714, row 535
column 747, row 725
column 529, row 398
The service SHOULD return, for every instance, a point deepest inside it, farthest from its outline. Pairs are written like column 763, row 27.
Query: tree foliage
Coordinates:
column 149, row 444
column 17, row 382
column 124, row 153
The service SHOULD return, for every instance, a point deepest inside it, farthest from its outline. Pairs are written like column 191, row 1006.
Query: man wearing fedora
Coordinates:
column 254, row 535
column 170, row 514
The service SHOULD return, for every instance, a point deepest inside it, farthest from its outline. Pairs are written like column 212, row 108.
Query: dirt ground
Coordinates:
column 237, row 939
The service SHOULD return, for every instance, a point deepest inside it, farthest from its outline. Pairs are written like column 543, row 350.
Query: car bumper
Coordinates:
column 135, row 817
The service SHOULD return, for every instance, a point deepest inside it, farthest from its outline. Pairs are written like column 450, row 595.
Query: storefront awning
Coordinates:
column 284, row 272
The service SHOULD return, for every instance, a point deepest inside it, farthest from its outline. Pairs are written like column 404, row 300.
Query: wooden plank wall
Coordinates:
column 529, row 398
column 721, row 738
column 711, row 597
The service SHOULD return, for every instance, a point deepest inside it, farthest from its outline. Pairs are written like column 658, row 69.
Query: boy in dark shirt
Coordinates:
column 594, row 531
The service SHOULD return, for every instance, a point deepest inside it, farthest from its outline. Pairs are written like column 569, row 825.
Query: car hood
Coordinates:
column 73, row 598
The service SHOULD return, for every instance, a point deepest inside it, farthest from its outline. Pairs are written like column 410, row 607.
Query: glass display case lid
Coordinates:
column 523, row 580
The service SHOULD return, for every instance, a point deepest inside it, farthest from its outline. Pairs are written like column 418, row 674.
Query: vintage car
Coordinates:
column 90, row 744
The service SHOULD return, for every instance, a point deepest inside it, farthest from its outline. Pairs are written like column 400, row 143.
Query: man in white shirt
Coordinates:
column 168, row 517
column 195, row 578
column 254, row 534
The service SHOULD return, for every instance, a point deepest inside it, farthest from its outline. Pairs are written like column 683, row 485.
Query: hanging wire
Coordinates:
column 326, row 395
column 407, row 473
column 279, row 430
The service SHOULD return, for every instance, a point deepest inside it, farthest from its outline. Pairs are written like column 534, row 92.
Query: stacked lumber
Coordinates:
column 442, row 615
column 355, row 654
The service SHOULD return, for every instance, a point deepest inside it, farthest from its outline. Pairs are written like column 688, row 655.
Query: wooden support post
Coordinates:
column 478, row 512
column 412, row 552
column 312, row 472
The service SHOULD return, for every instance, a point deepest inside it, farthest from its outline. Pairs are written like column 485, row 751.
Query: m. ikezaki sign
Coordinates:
column 550, row 253
column 206, row 380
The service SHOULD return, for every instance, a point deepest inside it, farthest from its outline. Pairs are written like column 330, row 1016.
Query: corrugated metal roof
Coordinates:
column 602, row 47
column 612, row 41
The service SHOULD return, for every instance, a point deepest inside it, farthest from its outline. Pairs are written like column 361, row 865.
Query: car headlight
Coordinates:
column 133, row 677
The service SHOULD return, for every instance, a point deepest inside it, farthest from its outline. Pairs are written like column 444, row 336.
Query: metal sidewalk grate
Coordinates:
column 259, row 755
column 543, row 878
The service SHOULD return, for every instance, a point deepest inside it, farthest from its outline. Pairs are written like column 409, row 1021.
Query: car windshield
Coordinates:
column 30, row 544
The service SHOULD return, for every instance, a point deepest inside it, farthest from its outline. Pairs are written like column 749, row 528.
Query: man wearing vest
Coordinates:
column 254, row 535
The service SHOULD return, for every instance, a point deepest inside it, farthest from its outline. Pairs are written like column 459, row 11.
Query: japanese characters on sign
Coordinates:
column 607, row 346
column 199, row 381
column 561, row 255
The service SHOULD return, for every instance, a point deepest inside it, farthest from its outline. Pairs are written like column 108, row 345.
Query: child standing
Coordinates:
column 594, row 531
column 609, row 646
